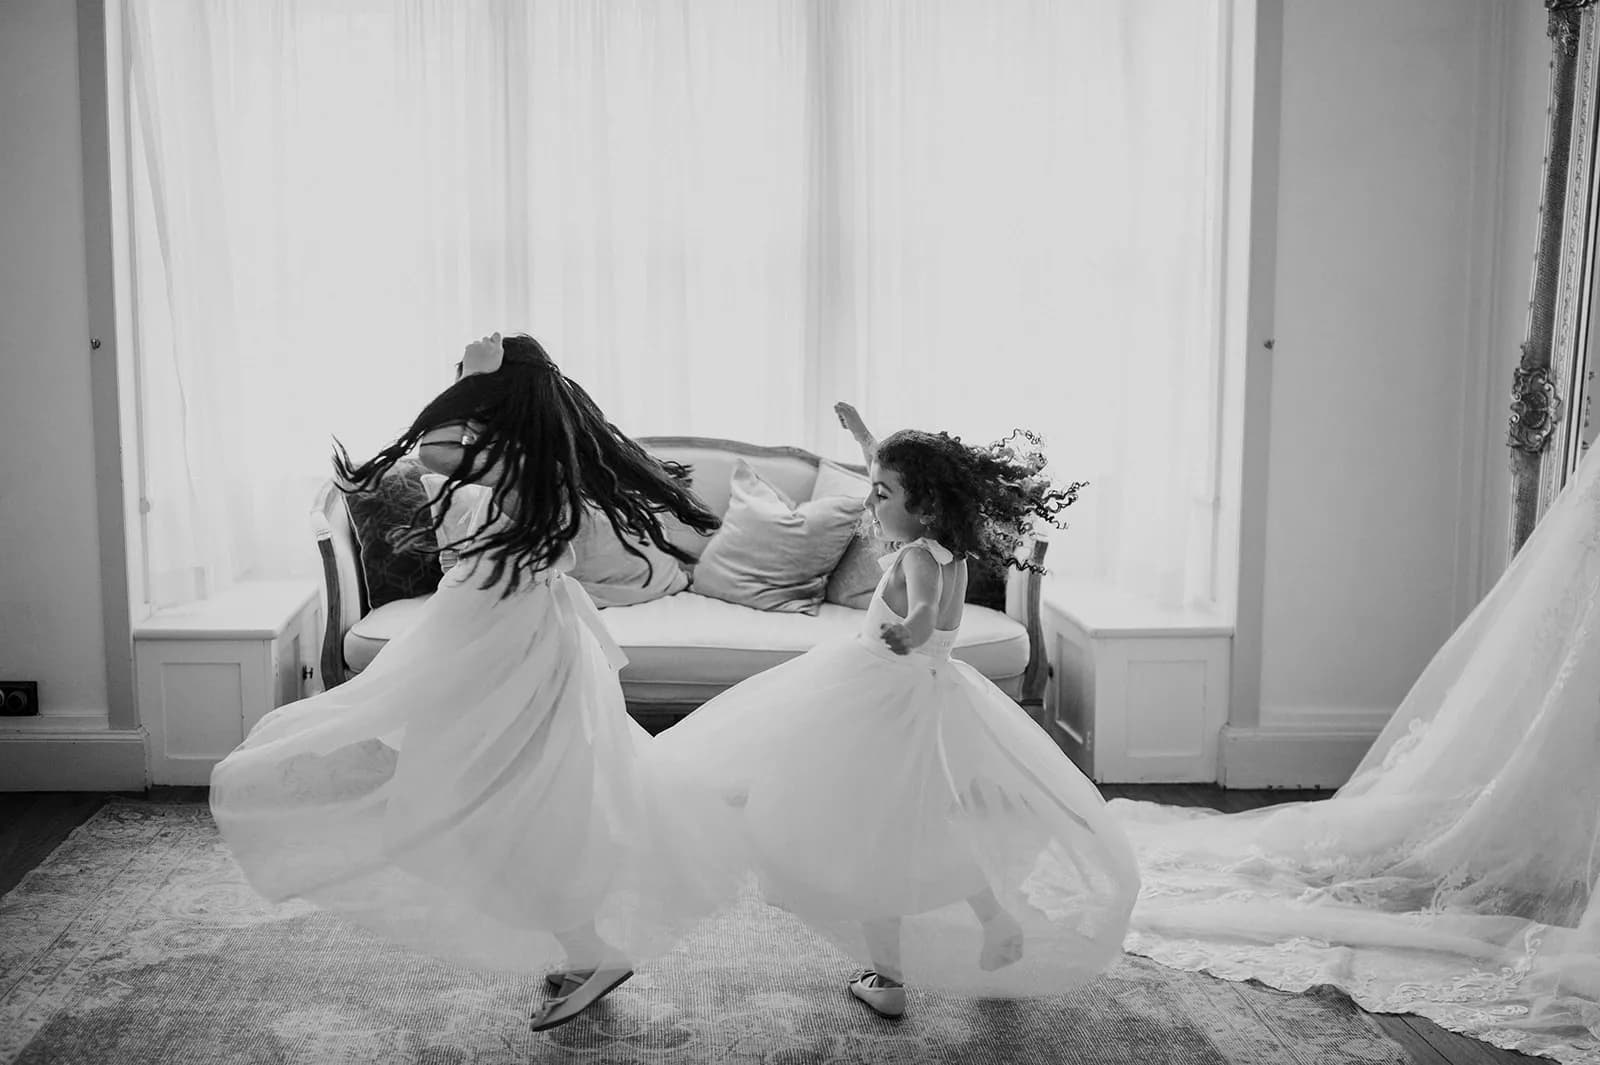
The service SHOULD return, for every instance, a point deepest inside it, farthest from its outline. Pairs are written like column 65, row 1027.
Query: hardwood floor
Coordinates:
column 32, row 824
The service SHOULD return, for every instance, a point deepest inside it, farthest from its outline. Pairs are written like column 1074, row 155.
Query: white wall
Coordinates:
column 1403, row 174
column 50, row 584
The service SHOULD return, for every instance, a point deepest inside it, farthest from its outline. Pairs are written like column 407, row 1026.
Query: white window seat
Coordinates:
column 1138, row 693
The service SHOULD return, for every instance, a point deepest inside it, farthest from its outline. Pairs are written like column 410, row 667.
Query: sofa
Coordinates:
column 684, row 647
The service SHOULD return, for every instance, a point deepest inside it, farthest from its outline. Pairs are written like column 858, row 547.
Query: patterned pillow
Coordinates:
column 381, row 516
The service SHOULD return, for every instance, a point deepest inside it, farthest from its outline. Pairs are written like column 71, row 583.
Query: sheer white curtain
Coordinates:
column 719, row 216
column 1025, row 215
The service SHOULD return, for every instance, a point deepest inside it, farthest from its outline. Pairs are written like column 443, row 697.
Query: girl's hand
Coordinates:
column 483, row 356
column 858, row 429
column 897, row 637
column 851, row 420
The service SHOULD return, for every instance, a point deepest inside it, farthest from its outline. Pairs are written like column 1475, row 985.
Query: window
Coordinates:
column 720, row 216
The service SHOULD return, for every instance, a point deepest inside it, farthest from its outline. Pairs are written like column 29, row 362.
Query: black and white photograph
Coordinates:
column 799, row 532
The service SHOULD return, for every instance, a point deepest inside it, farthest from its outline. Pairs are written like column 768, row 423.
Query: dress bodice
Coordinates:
column 880, row 613
column 478, row 523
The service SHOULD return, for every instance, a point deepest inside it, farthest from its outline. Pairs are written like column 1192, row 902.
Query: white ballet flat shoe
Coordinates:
column 584, row 993
column 884, row 999
column 556, row 977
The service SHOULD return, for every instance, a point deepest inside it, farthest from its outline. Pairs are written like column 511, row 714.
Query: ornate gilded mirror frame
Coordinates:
column 1549, row 428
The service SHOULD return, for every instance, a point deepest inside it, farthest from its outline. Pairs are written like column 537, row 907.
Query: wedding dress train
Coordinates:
column 1454, row 876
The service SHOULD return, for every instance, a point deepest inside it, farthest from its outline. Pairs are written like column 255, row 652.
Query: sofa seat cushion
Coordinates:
column 687, row 647
column 367, row 636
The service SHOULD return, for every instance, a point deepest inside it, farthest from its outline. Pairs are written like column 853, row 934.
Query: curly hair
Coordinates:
column 559, row 453
column 982, row 501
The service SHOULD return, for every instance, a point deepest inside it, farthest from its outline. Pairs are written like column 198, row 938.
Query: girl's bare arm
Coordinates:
column 443, row 450
column 851, row 420
column 924, row 582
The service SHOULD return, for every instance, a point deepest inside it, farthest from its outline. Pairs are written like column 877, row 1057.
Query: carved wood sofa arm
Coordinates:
column 1023, row 588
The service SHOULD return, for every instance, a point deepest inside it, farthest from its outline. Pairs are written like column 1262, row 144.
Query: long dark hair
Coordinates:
column 982, row 501
column 557, row 452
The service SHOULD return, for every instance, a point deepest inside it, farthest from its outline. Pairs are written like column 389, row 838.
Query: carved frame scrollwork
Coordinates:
column 1545, row 434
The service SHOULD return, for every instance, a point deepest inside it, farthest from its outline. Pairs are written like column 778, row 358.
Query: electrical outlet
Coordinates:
column 19, row 698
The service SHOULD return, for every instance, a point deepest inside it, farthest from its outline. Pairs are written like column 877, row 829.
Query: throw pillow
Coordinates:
column 379, row 517
column 610, row 575
column 855, row 578
column 691, row 540
column 770, row 553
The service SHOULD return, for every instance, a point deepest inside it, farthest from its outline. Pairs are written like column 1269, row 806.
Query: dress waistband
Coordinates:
column 571, row 593
column 937, row 649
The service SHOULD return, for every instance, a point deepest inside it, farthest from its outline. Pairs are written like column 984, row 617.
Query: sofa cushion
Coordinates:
column 771, row 553
column 711, row 465
column 855, row 578
column 608, row 572
column 612, row 576
column 688, row 647
column 367, row 636
column 379, row 517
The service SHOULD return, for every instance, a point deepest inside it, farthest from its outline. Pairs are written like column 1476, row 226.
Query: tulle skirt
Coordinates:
column 860, row 785
column 477, row 789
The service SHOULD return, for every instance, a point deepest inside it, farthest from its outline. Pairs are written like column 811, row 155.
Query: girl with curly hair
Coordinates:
column 891, row 796
column 477, row 792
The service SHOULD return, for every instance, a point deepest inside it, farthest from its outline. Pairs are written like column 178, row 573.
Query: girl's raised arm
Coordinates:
column 851, row 420
column 444, row 450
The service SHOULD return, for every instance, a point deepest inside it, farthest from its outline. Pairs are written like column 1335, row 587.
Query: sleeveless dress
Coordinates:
column 860, row 784
column 475, row 789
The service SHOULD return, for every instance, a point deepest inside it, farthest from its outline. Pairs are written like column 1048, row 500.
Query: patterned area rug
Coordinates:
column 138, row 941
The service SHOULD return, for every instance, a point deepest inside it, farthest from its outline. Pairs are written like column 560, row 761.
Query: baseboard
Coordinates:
column 72, row 760
column 1292, row 757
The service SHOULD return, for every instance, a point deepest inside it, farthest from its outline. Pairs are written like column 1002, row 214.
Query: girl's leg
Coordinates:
column 584, row 947
column 880, row 988
column 883, row 942
column 1002, row 935
column 583, row 944
column 581, row 987
column 985, row 905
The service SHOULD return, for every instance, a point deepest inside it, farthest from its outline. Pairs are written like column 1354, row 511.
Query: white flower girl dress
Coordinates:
column 860, row 784
column 477, row 788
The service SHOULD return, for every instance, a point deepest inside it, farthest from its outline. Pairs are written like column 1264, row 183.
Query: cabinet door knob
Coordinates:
column 306, row 672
